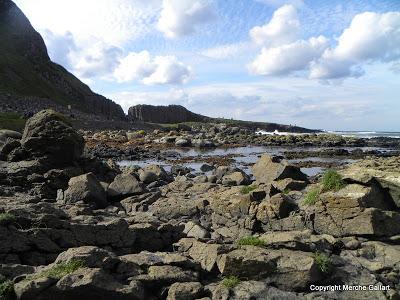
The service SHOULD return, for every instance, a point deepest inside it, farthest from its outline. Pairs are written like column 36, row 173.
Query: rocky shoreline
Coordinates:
column 74, row 224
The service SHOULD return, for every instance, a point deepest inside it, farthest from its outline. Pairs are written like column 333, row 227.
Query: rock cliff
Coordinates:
column 163, row 114
column 27, row 70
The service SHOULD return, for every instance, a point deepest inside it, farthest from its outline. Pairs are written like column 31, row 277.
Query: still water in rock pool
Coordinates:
column 242, row 157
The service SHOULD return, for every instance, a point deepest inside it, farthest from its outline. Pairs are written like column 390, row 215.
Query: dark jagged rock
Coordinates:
column 163, row 114
column 26, row 68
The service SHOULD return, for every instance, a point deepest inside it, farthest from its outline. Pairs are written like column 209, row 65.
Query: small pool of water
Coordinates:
column 243, row 157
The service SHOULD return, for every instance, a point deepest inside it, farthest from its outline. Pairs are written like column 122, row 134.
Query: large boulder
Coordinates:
column 289, row 270
column 91, row 256
column 356, row 210
column 195, row 230
column 152, row 173
column 49, row 134
column 376, row 257
column 86, row 283
column 185, row 291
column 268, row 168
column 236, row 178
column 277, row 207
column 206, row 255
column 124, row 185
column 86, row 188
column 382, row 171
column 253, row 290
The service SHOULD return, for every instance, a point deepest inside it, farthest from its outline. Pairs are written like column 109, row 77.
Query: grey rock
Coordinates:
column 124, row 185
column 267, row 169
column 49, row 134
column 185, row 291
column 91, row 256
column 277, row 207
column 86, row 188
column 236, row 178
column 90, row 283
column 196, row 231
column 183, row 142
column 206, row 167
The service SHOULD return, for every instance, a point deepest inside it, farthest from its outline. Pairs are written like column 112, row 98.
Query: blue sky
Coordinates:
column 324, row 64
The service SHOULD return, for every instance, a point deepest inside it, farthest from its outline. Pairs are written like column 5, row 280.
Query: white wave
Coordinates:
column 276, row 132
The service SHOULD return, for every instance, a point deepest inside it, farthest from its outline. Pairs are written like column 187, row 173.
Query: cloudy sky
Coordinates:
column 324, row 64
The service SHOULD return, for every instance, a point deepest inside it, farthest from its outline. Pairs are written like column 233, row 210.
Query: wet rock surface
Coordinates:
column 90, row 229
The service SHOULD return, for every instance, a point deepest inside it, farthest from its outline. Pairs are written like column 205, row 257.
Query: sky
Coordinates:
column 325, row 64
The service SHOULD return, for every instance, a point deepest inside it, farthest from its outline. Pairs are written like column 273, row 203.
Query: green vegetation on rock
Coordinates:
column 6, row 289
column 12, row 121
column 250, row 241
column 247, row 189
column 323, row 262
column 231, row 281
column 332, row 181
column 60, row 270
column 312, row 197
column 6, row 218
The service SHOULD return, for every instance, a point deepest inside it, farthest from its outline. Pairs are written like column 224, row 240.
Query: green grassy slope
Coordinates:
column 12, row 121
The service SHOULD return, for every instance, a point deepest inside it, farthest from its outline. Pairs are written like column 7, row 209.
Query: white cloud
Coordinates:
column 371, row 37
column 283, row 28
column 181, row 17
column 113, row 22
column 96, row 59
column 288, row 58
column 226, row 51
column 168, row 71
column 134, row 66
column 160, row 70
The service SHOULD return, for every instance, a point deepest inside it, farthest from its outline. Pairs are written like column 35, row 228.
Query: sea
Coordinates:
column 369, row 134
column 359, row 134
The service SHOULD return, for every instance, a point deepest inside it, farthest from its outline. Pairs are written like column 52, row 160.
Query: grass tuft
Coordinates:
column 231, row 281
column 323, row 262
column 247, row 189
column 251, row 241
column 6, row 218
column 58, row 271
column 312, row 197
column 6, row 289
column 332, row 181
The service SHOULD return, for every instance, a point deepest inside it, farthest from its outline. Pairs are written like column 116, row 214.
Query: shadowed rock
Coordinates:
column 49, row 134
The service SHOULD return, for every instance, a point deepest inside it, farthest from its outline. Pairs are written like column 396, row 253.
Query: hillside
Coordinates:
column 26, row 69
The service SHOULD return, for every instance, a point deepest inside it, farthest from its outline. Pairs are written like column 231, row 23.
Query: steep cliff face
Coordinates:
column 26, row 69
column 163, row 114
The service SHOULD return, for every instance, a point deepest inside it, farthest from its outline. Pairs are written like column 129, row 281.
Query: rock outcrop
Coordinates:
column 163, row 114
